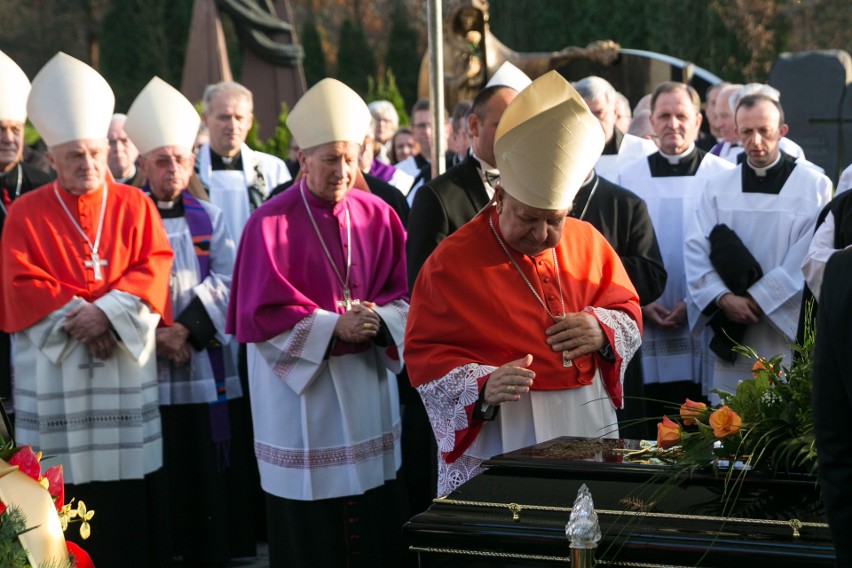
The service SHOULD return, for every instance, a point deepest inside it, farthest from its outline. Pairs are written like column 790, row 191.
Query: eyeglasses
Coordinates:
column 164, row 162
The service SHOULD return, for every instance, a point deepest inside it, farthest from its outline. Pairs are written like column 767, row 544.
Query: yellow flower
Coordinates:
column 85, row 517
column 725, row 422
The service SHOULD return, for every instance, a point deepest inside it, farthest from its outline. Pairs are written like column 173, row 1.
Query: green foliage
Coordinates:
column 385, row 89
column 140, row 39
column 403, row 56
column 692, row 31
column 314, row 64
column 12, row 555
column 279, row 143
column 355, row 60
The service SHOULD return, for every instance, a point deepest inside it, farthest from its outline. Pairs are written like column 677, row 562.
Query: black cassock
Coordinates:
column 832, row 400
column 622, row 218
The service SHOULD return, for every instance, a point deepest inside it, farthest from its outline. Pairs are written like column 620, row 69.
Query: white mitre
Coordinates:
column 16, row 89
column 507, row 75
column 70, row 101
column 161, row 116
column 329, row 112
column 546, row 144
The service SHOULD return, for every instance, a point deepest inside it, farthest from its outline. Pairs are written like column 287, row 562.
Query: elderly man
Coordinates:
column 319, row 293
column 237, row 178
column 16, row 178
column 385, row 123
column 523, row 320
column 196, row 360
column 671, row 181
column 619, row 148
column 750, row 233
column 123, row 154
column 728, row 147
column 85, row 282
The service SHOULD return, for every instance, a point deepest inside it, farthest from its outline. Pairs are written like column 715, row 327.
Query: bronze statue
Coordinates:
column 472, row 54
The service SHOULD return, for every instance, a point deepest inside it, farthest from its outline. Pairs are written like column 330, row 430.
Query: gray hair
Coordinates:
column 593, row 88
column 384, row 108
column 230, row 87
column 754, row 89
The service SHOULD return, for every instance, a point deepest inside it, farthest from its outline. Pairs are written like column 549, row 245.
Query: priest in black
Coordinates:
column 832, row 400
column 622, row 218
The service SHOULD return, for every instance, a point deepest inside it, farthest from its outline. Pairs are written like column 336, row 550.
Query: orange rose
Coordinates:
column 762, row 365
column 668, row 434
column 690, row 410
column 725, row 422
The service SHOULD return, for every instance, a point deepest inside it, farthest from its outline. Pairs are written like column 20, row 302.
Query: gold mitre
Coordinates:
column 546, row 144
column 508, row 75
column 329, row 112
column 161, row 116
column 70, row 101
column 16, row 89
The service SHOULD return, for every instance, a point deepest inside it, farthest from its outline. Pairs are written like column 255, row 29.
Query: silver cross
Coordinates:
column 95, row 264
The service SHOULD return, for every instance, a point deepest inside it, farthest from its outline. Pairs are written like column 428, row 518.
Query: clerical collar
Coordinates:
column 675, row 159
column 166, row 204
column 761, row 172
column 219, row 162
column 127, row 177
column 490, row 175
column 169, row 209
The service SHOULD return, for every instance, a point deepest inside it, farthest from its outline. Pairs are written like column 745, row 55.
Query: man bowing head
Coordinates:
column 85, row 267
column 319, row 293
column 523, row 310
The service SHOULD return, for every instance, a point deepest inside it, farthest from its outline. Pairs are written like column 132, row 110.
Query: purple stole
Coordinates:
column 201, row 230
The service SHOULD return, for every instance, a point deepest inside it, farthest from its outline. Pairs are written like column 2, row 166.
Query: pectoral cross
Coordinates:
column 91, row 366
column 95, row 264
column 347, row 301
column 566, row 362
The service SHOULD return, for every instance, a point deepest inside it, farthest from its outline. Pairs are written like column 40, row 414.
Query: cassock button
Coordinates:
column 545, row 279
column 551, row 297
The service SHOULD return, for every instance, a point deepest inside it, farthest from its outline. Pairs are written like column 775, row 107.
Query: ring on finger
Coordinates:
column 368, row 325
column 511, row 389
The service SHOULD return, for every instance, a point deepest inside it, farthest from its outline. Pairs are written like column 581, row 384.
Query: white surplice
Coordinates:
column 670, row 355
column 632, row 148
column 228, row 189
column 342, row 430
column 777, row 230
column 194, row 383
column 99, row 418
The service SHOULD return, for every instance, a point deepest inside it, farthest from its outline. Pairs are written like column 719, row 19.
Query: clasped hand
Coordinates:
column 172, row 344
column 577, row 334
column 89, row 325
column 663, row 317
column 358, row 324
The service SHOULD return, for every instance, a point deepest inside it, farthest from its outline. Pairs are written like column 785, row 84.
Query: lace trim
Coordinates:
column 452, row 475
column 292, row 351
column 338, row 456
column 626, row 336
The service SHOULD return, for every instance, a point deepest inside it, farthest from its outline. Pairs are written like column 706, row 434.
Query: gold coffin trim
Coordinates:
column 518, row 556
column 515, row 509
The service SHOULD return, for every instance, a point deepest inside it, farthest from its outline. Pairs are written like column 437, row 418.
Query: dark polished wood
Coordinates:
column 647, row 514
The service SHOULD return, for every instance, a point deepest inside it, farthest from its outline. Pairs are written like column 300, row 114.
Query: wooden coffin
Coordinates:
column 515, row 513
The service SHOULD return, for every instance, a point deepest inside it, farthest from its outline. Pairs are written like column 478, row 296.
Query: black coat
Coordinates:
column 832, row 400
column 440, row 207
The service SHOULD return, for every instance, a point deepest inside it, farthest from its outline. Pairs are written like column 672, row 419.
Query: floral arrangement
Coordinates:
column 13, row 520
column 765, row 425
